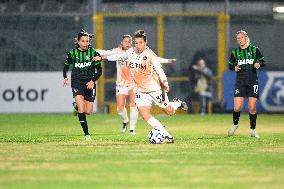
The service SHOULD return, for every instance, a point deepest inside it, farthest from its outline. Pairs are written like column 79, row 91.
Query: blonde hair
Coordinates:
column 246, row 35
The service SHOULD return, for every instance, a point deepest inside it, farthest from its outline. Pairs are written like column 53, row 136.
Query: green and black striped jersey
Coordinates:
column 246, row 58
column 83, row 65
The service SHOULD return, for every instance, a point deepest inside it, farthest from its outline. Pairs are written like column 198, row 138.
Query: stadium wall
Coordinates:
column 271, row 90
column 34, row 92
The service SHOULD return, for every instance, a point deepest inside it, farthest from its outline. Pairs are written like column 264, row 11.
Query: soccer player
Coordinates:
column 125, row 84
column 150, row 82
column 245, row 61
column 85, row 73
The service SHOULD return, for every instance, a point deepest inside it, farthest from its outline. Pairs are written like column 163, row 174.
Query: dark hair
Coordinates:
column 140, row 33
column 81, row 34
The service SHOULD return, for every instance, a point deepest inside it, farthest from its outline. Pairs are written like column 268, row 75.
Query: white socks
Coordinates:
column 175, row 105
column 133, row 117
column 157, row 125
column 123, row 115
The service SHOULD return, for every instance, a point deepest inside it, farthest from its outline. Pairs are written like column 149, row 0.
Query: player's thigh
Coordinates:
column 145, row 112
column 89, row 97
column 80, row 103
column 131, row 95
column 89, row 107
column 121, row 101
column 238, row 103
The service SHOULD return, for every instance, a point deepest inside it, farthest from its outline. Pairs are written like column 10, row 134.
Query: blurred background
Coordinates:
column 36, row 35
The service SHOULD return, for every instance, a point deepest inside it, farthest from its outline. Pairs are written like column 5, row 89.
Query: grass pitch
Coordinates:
column 48, row 151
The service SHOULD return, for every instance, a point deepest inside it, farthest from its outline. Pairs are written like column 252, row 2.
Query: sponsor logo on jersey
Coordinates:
column 272, row 98
column 245, row 61
column 87, row 58
column 136, row 65
column 83, row 65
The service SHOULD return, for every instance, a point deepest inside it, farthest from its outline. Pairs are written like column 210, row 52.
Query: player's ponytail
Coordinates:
column 81, row 34
column 140, row 33
column 246, row 35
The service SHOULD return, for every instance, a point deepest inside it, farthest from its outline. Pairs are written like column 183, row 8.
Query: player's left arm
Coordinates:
column 260, row 59
column 97, row 72
column 67, row 64
column 97, row 68
column 161, row 74
column 165, row 60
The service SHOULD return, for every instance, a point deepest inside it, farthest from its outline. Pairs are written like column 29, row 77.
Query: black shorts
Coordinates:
column 81, row 89
column 246, row 89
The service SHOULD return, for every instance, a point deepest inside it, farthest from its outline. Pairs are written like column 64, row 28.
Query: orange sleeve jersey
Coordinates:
column 146, row 70
column 123, row 77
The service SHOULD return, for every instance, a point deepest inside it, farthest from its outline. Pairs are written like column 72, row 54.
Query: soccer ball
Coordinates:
column 156, row 136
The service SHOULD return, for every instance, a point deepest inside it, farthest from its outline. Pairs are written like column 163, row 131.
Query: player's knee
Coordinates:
column 132, row 104
column 120, row 107
column 89, row 112
column 146, row 117
column 237, row 108
column 169, row 110
column 252, row 109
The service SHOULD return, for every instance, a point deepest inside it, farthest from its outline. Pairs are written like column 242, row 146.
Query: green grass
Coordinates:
column 48, row 151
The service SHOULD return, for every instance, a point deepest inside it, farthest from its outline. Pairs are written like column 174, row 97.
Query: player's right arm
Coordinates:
column 67, row 64
column 117, row 56
column 106, row 52
column 233, row 62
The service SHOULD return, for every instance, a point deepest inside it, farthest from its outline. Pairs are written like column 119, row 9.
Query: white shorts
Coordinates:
column 146, row 99
column 123, row 90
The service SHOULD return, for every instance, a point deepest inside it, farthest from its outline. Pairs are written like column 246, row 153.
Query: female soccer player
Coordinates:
column 125, row 84
column 245, row 60
column 85, row 73
column 150, row 82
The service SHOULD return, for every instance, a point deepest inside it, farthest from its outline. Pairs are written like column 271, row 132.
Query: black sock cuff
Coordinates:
column 236, row 116
column 252, row 115
column 237, row 113
column 252, row 118
column 82, row 116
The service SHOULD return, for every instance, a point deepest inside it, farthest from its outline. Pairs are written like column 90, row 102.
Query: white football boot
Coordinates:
column 124, row 127
column 232, row 130
column 253, row 133
column 88, row 137
column 132, row 132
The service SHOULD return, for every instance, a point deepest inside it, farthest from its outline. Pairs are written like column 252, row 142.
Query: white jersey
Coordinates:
column 123, row 76
column 145, row 69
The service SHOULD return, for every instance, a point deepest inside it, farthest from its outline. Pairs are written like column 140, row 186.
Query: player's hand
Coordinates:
column 65, row 82
column 167, row 89
column 237, row 68
column 97, row 58
column 171, row 60
column 165, row 86
column 90, row 85
column 257, row 65
column 195, row 67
